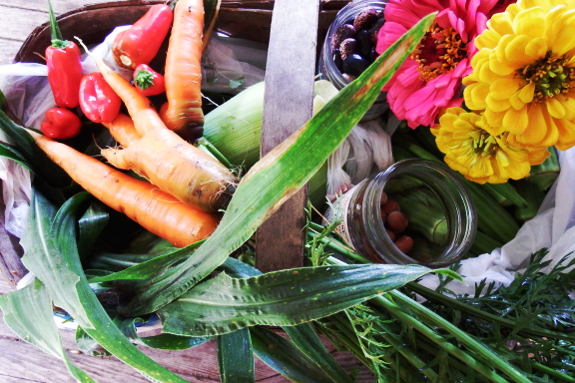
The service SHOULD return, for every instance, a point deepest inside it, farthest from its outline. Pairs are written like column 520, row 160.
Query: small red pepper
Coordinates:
column 98, row 100
column 141, row 42
column 61, row 124
column 147, row 81
column 63, row 59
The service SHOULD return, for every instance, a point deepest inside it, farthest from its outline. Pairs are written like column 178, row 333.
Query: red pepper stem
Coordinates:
column 144, row 79
column 54, row 28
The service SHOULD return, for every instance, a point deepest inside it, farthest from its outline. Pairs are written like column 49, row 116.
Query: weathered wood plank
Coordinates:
column 287, row 106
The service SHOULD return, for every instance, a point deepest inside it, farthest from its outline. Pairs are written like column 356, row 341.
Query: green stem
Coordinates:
column 335, row 246
column 461, row 336
column 54, row 28
column 455, row 304
column 552, row 372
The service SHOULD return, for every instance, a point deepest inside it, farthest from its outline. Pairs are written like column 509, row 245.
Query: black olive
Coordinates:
column 364, row 44
column 354, row 65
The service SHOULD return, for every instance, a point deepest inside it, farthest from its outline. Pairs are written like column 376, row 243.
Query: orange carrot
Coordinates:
column 161, row 155
column 172, row 164
column 183, row 72
column 153, row 209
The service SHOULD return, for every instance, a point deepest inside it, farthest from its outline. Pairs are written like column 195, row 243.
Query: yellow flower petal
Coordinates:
column 537, row 48
column 526, row 93
column 530, row 22
column 566, row 132
column 493, row 122
column 501, row 24
column 515, row 121
column 497, row 105
column 515, row 51
column 475, row 95
column 565, row 40
column 555, row 108
column 503, row 88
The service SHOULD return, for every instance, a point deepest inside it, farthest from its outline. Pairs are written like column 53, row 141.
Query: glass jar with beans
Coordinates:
column 415, row 212
column 349, row 47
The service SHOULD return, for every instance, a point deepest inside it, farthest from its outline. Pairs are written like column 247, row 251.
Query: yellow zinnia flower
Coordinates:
column 524, row 74
column 477, row 154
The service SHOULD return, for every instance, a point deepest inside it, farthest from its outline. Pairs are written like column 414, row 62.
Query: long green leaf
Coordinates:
column 281, row 298
column 281, row 355
column 28, row 312
column 51, row 254
column 277, row 176
column 236, row 357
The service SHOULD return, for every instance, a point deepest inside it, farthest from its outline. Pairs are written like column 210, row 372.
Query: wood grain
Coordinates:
column 287, row 106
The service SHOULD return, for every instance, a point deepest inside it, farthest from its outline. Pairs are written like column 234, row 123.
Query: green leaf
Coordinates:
column 13, row 154
column 236, row 357
column 305, row 338
column 28, row 312
column 90, row 226
column 281, row 355
column 160, row 341
column 277, row 176
column 281, row 298
column 51, row 254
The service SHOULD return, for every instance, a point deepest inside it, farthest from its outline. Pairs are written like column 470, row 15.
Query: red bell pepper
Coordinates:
column 61, row 124
column 98, row 100
column 63, row 59
column 147, row 81
column 141, row 42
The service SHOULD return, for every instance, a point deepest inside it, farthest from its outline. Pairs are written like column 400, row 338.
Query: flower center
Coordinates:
column 439, row 52
column 550, row 75
column 483, row 143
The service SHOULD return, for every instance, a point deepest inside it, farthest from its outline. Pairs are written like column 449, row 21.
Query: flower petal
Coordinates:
column 515, row 121
column 555, row 108
column 530, row 22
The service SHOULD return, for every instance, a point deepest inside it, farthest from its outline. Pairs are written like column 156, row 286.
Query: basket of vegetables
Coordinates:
column 143, row 213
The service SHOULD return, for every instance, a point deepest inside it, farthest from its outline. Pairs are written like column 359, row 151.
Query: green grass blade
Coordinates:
column 236, row 357
column 277, row 176
column 51, row 254
column 28, row 312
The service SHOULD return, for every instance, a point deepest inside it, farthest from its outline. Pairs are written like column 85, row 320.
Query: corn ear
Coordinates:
column 235, row 129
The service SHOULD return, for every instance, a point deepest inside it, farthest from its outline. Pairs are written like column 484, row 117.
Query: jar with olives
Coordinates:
column 349, row 47
column 415, row 212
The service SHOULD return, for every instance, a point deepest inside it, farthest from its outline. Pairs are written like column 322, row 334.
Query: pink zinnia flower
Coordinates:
column 430, row 79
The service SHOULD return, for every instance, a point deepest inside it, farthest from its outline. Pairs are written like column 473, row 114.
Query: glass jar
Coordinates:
column 329, row 70
column 439, row 209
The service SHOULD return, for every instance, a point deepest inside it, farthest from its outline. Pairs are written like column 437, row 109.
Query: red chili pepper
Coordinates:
column 147, row 81
column 61, row 124
column 98, row 100
column 140, row 43
column 63, row 59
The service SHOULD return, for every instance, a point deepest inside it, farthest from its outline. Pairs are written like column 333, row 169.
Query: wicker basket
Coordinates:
column 249, row 19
